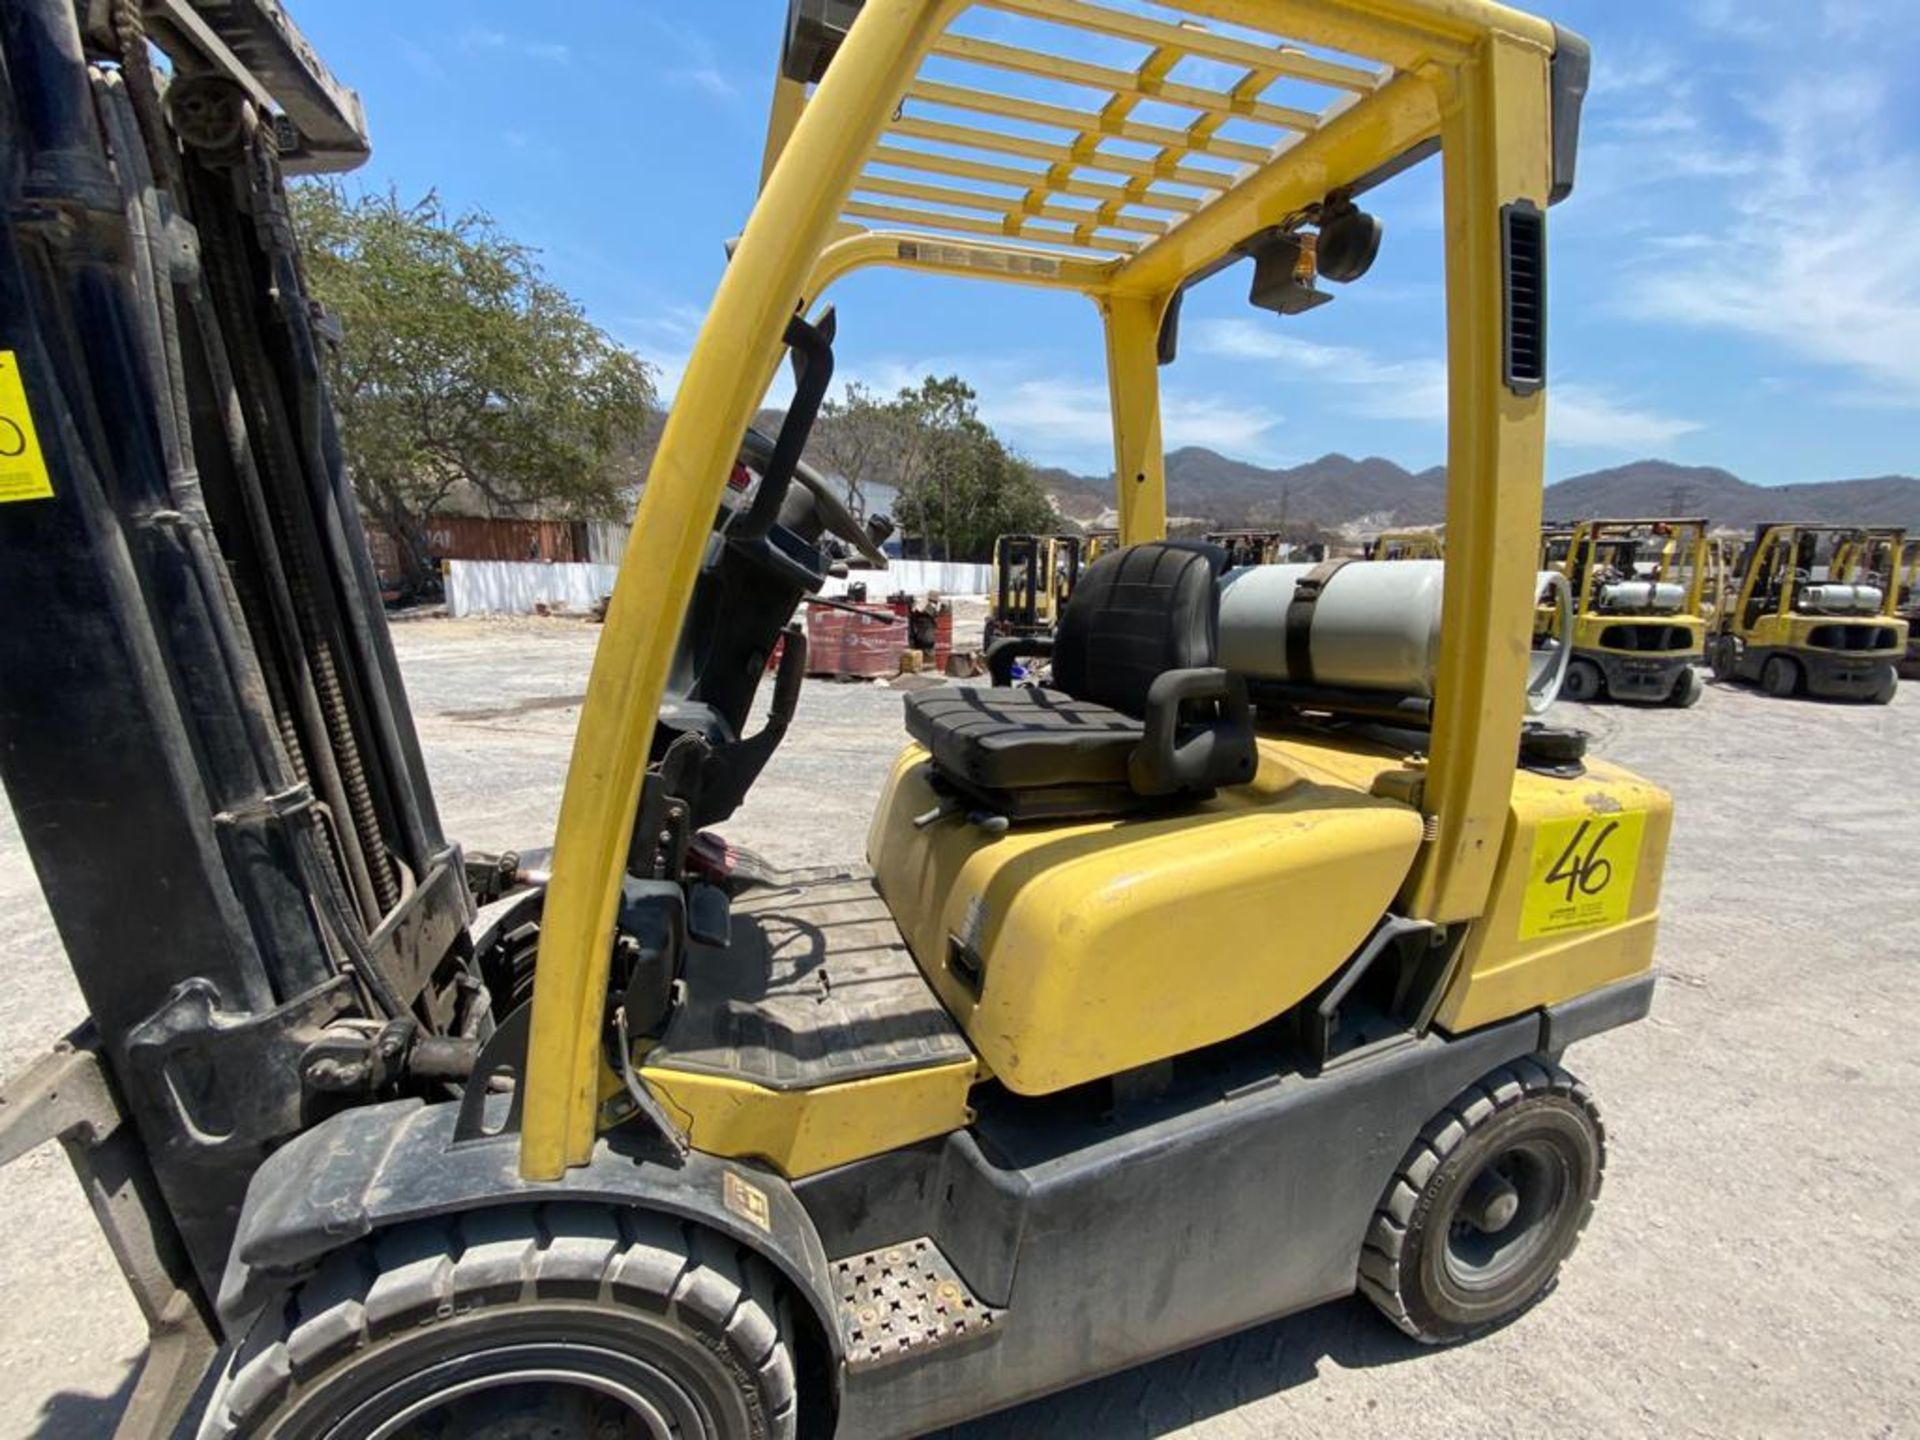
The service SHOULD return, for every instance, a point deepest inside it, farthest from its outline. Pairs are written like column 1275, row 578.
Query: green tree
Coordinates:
column 958, row 485
column 462, row 369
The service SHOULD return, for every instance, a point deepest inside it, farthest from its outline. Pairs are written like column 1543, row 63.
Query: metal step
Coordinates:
column 903, row 1300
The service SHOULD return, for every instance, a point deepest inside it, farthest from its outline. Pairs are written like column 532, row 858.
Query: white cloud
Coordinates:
column 1583, row 417
column 1733, row 20
column 1817, row 254
column 1415, row 390
column 705, row 78
column 1217, row 424
column 1065, row 419
column 690, row 60
column 422, row 61
column 480, row 40
column 1048, row 416
column 1377, row 389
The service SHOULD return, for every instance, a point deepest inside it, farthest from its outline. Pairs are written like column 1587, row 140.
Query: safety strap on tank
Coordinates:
column 1306, row 594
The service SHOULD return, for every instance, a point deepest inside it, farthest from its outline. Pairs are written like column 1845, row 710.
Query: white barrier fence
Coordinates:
column 506, row 587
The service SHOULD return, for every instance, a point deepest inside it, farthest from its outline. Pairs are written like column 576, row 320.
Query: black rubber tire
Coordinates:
column 1723, row 658
column 1583, row 683
column 1888, row 688
column 695, row 1326
column 1410, row 1266
column 1687, row 689
column 1780, row 676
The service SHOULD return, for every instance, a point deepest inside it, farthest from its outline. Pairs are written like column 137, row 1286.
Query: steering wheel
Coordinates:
column 756, row 451
column 1548, row 669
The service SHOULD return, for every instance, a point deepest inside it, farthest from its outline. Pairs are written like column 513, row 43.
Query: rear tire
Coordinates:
column 1780, row 676
column 561, row 1318
column 1723, row 658
column 1687, row 689
column 1888, row 688
column 1583, row 683
column 1487, row 1204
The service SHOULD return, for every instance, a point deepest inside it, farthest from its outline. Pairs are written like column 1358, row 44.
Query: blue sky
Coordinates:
column 1736, row 283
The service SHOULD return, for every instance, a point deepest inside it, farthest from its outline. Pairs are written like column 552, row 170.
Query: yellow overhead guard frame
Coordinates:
column 1127, row 210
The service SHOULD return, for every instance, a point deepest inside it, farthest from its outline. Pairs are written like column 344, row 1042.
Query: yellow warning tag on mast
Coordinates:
column 1582, row 873
column 23, row 470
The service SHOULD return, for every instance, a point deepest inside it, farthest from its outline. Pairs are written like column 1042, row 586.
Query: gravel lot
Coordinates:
column 1754, row 1264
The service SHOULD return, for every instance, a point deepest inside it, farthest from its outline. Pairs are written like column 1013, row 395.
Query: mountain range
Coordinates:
column 1338, row 493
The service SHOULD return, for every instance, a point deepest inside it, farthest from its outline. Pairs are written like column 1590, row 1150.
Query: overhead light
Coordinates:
column 1349, row 242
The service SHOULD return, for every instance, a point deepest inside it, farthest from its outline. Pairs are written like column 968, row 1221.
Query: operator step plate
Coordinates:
column 903, row 1300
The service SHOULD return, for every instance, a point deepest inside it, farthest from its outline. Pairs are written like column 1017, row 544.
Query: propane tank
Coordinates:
column 1833, row 598
column 1656, row 597
column 1375, row 627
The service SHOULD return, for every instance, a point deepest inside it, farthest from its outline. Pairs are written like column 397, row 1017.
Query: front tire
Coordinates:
column 1487, row 1204
column 562, row 1318
column 1583, row 683
column 1723, row 658
column 1686, row 690
column 1779, row 677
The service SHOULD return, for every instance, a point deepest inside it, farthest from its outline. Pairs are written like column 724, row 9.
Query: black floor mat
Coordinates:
column 817, row 988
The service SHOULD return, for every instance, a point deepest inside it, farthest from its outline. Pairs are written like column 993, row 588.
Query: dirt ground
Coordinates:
column 1754, row 1264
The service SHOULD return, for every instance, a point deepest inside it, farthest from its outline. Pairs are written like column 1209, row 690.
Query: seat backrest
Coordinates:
column 1136, row 614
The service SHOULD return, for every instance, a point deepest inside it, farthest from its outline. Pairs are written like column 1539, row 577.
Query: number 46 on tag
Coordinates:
column 1582, row 873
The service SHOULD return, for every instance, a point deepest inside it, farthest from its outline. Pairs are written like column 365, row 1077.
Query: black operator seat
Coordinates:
column 1138, row 715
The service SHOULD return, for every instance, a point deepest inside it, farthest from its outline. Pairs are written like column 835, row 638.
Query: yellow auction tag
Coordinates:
column 23, row 470
column 1582, row 873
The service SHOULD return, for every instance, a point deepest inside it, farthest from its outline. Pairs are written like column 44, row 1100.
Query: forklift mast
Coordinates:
column 203, row 733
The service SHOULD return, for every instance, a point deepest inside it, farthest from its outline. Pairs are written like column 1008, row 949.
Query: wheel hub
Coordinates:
column 1492, row 1203
column 1505, row 1216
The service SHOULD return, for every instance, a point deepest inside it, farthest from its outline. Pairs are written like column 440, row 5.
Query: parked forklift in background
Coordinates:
column 1406, row 545
column 1795, row 629
column 1886, row 560
column 1098, row 543
column 1639, row 596
column 1033, row 575
column 1252, row 547
column 1152, row 1016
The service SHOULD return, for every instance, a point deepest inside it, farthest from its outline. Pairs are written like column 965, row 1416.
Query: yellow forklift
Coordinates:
column 1033, row 575
column 1248, row 547
column 1720, row 578
column 1887, row 560
column 1795, row 625
column 1406, row 545
column 1639, row 592
column 1098, row 543
column 672, row 1143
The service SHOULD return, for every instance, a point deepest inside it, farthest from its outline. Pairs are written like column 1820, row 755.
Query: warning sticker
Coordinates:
column 23, row 471
column 749, row 1202
column 1582, row 874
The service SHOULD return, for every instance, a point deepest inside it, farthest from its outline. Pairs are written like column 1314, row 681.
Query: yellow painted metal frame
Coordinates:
column 802, row 1132
column 1469, row 73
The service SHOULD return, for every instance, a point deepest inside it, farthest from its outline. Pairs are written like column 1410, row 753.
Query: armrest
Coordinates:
column 1002, row 653
column 1199, row 755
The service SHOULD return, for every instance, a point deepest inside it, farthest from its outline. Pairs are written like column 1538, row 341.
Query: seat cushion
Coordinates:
column 1022, row 738
column 1133, row 616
